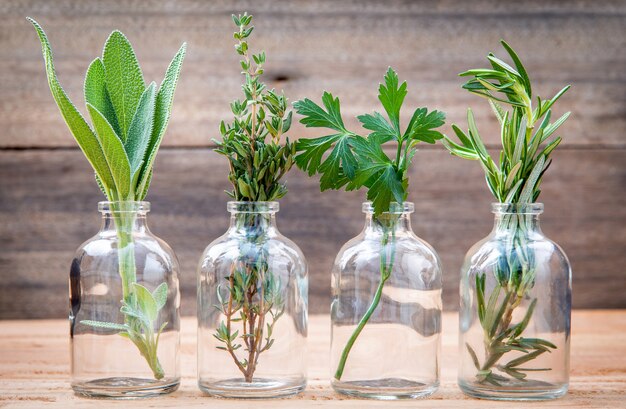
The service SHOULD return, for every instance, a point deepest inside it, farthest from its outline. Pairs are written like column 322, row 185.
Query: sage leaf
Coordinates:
column 114, row 152
column 124, row 79
column 146, row 302
column 105, row 325
column 97, row 94
column 140, row 129
column 162, row 110
column 86, row 138
column 160, row 295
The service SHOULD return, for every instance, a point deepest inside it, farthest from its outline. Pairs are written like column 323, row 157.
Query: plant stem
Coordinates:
column 124, row 222
column 491, row 356
column 385, row 273
column 253, row 305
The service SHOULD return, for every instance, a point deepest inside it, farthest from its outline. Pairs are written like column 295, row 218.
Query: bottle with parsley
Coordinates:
column 386, row 282
column 515, row 283
column 252, row 281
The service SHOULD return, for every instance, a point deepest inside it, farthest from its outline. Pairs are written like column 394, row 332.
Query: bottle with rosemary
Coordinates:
column 386, row 282
column 252, row 281
column 515, row 283
column 124, row 297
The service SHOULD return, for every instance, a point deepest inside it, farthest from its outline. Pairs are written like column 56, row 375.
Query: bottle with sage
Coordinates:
column 252, row 281
column 515, row 283
column 386, row 282
column 124, row 296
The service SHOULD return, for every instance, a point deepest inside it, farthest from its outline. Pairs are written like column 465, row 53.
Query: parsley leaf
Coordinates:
column 422, row 125
column 345, row 159
column 391, row 96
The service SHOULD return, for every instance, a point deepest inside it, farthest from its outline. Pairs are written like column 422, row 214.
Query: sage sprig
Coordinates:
column 347, row 160
column 128, row 121
column 527, row 136
column 258, row 160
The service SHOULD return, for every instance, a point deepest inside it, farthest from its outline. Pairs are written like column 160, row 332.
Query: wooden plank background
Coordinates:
column 48, row 196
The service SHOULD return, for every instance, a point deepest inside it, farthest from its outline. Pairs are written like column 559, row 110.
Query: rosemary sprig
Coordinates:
column 129, row 120
column 347, row 160
column 527, row 143
column 258, row 161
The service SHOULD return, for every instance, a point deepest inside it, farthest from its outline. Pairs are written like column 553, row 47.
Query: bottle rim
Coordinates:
column 123, row 207
column 253, row 207
column 517, row 208
column 394, row 208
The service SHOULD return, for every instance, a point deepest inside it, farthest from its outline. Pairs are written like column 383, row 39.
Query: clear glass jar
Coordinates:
column 252, row 308
column 386, row 310
column 124, row 300
column 515, row 311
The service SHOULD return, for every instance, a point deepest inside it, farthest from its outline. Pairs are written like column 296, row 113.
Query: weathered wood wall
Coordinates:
column 48, row 197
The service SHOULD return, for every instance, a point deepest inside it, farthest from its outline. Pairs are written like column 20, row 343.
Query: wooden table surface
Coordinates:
column 34, row 370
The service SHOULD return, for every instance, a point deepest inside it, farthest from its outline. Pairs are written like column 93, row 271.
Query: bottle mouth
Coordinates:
column 123, row 207
column 253, row 207
column 394, row 208
column 517, row 208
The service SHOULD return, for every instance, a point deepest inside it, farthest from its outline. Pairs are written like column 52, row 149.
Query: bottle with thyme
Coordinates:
column 516, row 283
column 252, row 281
column 386, row 282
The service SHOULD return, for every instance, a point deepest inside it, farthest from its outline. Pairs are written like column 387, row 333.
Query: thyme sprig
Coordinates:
column 526, row 134
column 346, row 160
column 252, row 141
column 258, row 159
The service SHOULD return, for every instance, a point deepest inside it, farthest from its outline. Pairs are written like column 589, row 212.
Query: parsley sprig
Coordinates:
column 345, row 159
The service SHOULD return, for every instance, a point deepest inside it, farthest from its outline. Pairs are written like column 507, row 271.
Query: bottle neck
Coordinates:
column 397, row 220
column 517, row 219
column 124, row 217
column 128, row 222
column 387, row 222
column 253, row 224
column 253, row 219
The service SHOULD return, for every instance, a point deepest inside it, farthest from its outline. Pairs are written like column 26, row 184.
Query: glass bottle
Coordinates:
column 252, row 308
column 386, row 310
column 124, row 300
column 515, row 311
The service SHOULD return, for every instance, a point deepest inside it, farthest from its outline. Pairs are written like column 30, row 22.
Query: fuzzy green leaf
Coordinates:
column 97, row 94
column 124, row 79
column 141, row 129
column 162, row 111
column 105, row 325
column 146, row 302
column 86, row 138
column 160, row 295
column 114, row 153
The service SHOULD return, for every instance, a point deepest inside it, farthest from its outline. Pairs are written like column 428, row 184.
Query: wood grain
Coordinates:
column 311, row 46
column 48, row 196
column 48, row 207
column 34, row 368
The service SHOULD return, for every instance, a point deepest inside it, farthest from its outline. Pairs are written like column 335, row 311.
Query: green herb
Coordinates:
column 258, row 161
column 347, row 160
column 128, row 123
column 527, row 142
